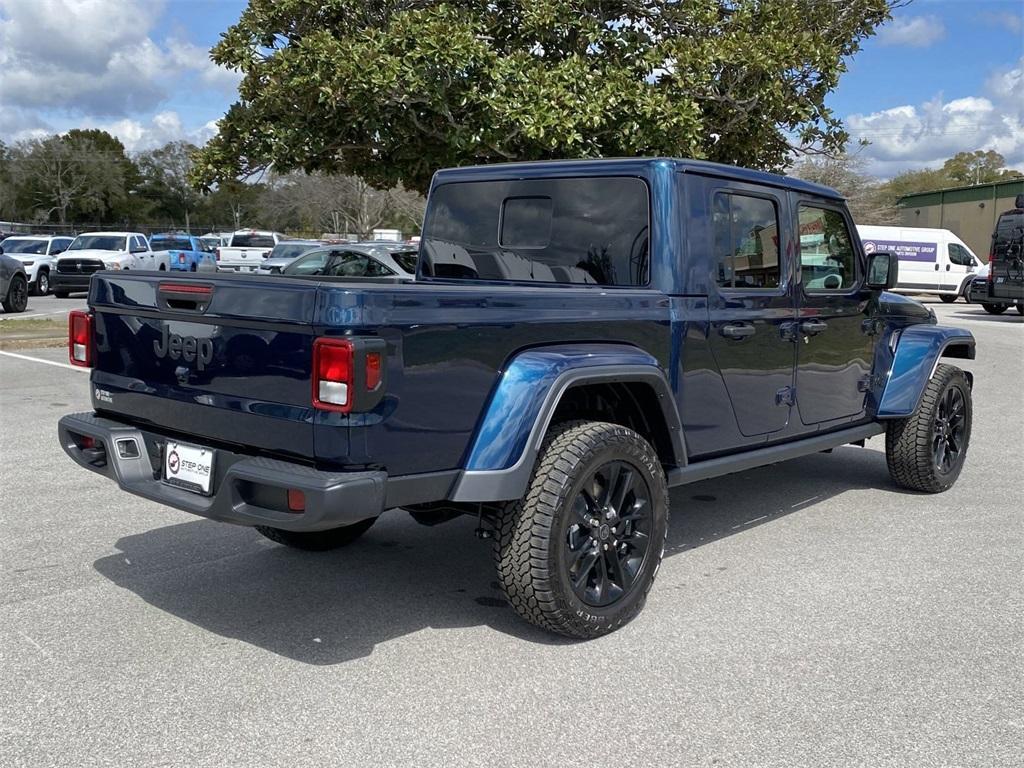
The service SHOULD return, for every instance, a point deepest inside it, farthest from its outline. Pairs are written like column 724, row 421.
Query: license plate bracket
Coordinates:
column 189, row 467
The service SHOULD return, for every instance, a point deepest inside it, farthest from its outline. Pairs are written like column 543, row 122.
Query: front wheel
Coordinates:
column 317, row 541
column 994, row 309
column 579, row 553
column 42, row 283
column 947, row 298
column 1020, row 309
column 16, row 299
column 926, row 451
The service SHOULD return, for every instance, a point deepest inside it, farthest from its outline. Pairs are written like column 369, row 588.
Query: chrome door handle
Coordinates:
column 813, row 327
column 737, row 330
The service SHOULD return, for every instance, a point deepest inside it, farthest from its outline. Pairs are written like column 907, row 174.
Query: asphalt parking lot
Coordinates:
column 806, row 614
column 47, row 307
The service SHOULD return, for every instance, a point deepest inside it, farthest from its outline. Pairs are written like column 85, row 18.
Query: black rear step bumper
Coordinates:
column 246, row 490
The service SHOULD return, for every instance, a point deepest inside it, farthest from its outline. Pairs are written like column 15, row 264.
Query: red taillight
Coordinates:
column 196, row 289
column 85, row 442
column 181, row 258
column 332, row 375
column 373, row 363
column 80, row 338
column 216, row 253
column 296, row 500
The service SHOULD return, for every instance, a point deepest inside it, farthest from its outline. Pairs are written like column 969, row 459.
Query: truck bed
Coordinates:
column 446, row 346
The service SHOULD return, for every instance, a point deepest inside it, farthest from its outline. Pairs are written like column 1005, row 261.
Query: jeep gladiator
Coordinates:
column 580, row 337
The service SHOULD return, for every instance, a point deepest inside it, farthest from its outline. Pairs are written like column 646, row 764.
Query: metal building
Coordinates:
column 969, row 212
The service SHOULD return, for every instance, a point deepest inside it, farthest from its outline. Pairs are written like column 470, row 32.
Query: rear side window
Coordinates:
column 583, row 230
column 252, row 241
column 746, row 241
column 828, row 261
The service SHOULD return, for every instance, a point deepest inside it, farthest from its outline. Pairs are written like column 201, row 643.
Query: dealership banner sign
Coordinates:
column 903, row 251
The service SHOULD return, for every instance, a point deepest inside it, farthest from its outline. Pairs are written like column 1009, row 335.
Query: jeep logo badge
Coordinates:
column 187, row 348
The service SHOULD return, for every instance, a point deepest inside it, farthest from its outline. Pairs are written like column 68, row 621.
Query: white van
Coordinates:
column 931, row 260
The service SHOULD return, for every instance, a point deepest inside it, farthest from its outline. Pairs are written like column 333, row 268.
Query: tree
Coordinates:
column 978, row 167
column 164, row 182
column 112, row 161
column 55, row 176
column 868, row 199
column 391, row 91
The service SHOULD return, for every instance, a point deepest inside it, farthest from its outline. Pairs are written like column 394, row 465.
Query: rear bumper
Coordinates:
column 246, row 490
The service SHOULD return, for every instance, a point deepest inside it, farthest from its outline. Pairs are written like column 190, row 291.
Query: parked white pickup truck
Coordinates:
column 247, row 250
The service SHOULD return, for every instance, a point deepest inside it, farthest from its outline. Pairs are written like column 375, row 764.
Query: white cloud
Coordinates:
column 925, row 135
column 138, row 135
column 81, row 61
column 916, row 32
column 1014, row 22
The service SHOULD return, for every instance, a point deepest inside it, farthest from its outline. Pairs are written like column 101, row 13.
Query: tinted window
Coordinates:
column 98, row 242
column 252, row 241
column 406, row 260
column 746, row 241
column 1008, row 239
column 350, row 264
column 172, row 244
column 14, row 245
column 591, row 230
column 959, row 255
column 828, row 261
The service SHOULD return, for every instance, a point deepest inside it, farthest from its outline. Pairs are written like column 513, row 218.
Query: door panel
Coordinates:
column 751, row 307
column 836, row 346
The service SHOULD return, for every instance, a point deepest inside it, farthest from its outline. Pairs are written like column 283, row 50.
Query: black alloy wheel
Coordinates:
column 608, row 540
column 948, row 430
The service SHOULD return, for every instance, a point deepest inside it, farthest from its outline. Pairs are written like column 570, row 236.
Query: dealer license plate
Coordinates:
column 188, row 466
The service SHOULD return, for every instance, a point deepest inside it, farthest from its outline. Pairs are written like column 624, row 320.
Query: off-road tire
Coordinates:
column 530, row 533
column 994, row 309
column 16, row 299
column 909, row 442
column 947, row 298
column 317, row 541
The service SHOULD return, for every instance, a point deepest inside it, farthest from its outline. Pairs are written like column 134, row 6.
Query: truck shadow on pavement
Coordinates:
column 400, row 578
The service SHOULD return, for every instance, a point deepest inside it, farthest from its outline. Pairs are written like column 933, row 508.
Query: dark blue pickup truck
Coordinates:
column 580, row 337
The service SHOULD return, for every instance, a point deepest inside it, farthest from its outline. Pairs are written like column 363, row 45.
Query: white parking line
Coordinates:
column 44, row 362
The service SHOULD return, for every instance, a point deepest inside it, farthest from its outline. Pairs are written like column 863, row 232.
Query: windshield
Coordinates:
column 290, row 250
column 171, row 244
column 98, row 243
column 406, row 260
column 15, row 245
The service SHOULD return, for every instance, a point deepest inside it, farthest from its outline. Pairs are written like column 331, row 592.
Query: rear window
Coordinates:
column 252, row 241
column 583, row 230
column 406, row 260
column 171, row 244
column 1008, row 239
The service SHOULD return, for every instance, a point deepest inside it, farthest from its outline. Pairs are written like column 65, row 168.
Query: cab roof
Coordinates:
column 641, row 166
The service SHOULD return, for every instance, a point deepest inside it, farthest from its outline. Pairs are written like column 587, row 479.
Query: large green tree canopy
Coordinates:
column 391, row 90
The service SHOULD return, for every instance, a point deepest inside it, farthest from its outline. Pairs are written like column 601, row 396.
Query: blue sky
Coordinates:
column 943, row 76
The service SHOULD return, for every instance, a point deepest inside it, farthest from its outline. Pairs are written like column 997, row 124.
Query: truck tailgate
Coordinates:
column 217, row 359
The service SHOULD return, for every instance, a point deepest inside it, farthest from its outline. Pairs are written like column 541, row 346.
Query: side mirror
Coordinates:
column 883, row 271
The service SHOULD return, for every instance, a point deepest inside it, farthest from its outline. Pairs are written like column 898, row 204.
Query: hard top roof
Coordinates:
column 626, row 165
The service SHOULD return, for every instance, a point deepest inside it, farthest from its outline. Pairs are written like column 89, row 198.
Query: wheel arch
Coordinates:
column 548, row 385
column 917, row 354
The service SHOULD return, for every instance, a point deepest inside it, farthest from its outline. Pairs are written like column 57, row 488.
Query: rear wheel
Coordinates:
column 16, row 299
column 926, row 451
column 61, row 294
column 318, row 541
column 1020, row 309
column 947, row 298
column 994, row 309
column 579, row 553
